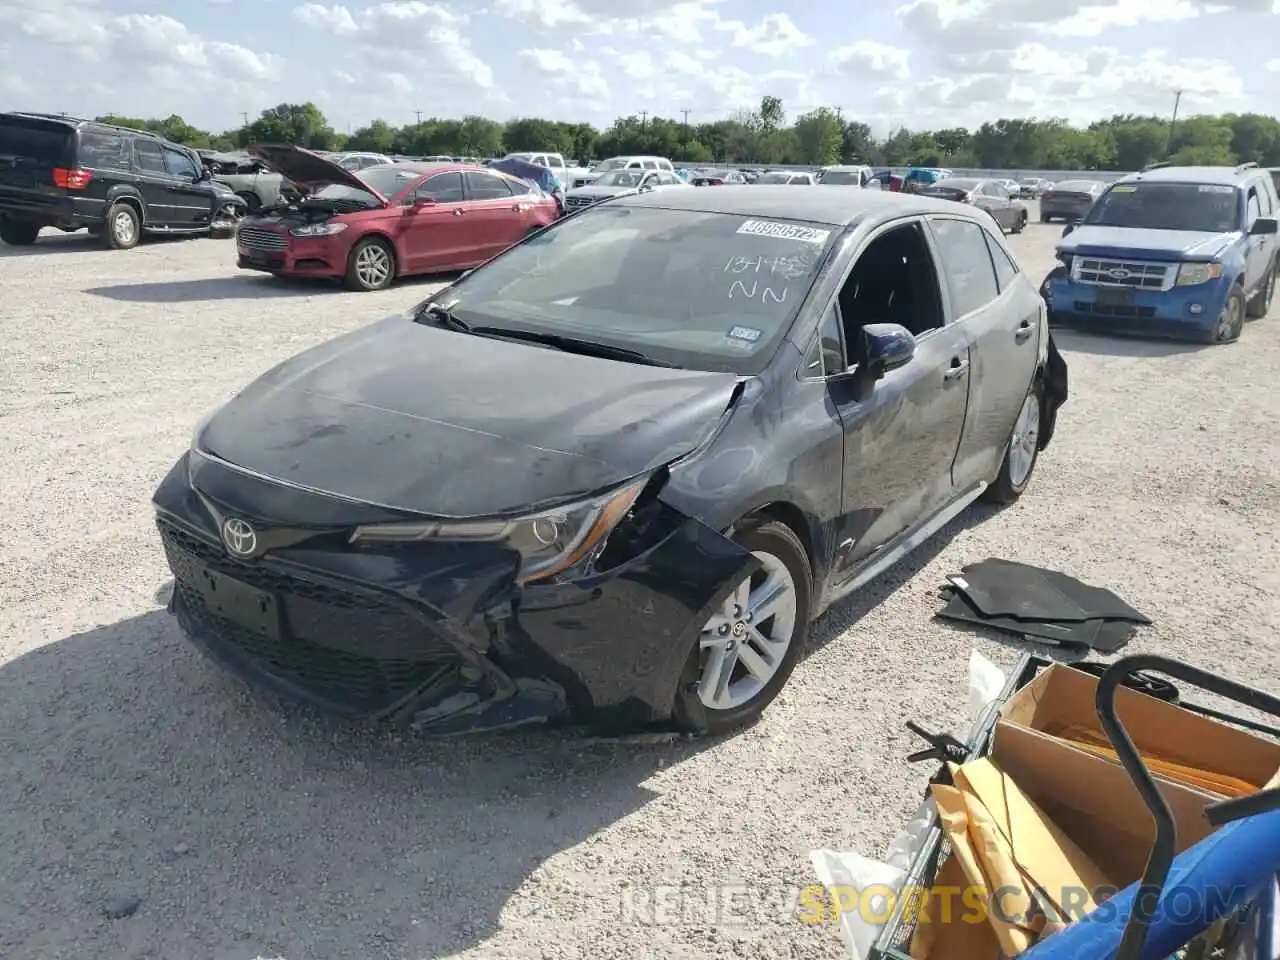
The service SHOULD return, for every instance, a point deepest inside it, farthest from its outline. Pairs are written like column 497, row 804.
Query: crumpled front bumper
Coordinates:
column 438, row 637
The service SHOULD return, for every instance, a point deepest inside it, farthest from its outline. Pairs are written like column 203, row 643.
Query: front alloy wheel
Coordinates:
column 1231, row 321
column 749, row 646
column 372, row 265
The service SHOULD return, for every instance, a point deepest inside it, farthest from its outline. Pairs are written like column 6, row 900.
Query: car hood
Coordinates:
column 601, row 192
column 446, row 424
column 306, row 168
column 1138, row 242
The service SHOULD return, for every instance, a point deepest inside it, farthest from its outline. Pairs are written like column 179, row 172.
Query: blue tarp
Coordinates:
column 525, row 170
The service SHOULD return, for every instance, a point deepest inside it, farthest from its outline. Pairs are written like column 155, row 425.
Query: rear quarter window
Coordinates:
column 34, row 142
column 104, row 151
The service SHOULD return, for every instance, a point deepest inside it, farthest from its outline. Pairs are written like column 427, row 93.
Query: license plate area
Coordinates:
column 1115, row 297
column 246, row 606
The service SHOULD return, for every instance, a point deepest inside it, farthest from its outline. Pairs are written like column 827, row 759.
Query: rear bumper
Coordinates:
column 1072, row 211
column 54, row 209
column 1183, row 313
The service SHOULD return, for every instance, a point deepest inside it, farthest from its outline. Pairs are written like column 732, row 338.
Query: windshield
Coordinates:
column 617, row 163
column 621, row 178
column 774, row 178
column 704, row 291
column 387, row 180
column 1205, row 207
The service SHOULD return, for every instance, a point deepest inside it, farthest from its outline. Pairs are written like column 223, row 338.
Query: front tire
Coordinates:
column 18, row 233
column 123, row 227
column 1022, row 453
column 1231, row 321
column 1021, row 223
column 371, row 266
column 749, row 647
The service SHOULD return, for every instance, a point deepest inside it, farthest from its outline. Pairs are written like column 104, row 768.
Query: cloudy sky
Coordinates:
column 922, row 63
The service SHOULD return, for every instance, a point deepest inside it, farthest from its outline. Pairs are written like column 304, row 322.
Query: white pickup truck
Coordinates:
column 553, row 162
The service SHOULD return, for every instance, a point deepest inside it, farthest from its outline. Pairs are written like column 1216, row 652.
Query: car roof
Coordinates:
column 846, row 167
column 780, row 202
column 441, row 166
column 1227, row 176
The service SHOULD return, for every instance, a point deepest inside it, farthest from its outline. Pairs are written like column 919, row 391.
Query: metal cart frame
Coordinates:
column 894, row 940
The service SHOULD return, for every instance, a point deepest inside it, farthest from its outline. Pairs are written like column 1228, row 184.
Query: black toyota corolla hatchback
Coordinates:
column 612, row 475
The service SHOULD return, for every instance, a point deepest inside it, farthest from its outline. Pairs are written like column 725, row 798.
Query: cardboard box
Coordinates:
column 1090, row 797
column 1061, row 698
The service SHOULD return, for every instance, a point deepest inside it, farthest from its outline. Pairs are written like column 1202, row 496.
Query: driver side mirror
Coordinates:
column 1264, row 226
column 423, row 202
column 886, row 346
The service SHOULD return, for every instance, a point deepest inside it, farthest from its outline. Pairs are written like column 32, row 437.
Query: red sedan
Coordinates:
column 393, row 220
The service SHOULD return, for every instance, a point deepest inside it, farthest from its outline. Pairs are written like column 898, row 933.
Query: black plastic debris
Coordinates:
column 1041, row 605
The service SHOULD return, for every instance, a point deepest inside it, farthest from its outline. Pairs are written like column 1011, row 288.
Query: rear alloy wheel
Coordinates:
column 1231, row 321
column 1021, row 223
column 1261, row 303
column 749, row 647
column 372, row 265
column 1023, row 451
column 18, row 233
column 123, row 227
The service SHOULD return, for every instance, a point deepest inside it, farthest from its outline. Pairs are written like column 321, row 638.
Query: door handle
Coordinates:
column 958, row 369
column 1023, row 332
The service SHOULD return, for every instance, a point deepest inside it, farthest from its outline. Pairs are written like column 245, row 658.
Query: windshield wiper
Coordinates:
column 445, row 315
column 587, row 348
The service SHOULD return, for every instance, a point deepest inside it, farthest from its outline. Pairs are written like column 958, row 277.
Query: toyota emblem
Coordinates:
column 739, row 629
column 239, row 537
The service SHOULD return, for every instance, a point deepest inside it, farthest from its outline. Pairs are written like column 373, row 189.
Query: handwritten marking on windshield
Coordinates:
column 789, row 268
column 766, row 294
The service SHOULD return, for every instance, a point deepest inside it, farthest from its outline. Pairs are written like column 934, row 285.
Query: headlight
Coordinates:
column 1190, row 274
column 318, row 229
column 548, row 543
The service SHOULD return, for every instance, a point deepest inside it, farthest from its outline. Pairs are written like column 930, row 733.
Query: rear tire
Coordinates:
column 19, row 233
column 123, row 227
column 1021, row 223
column 1045, row 218
column 764, row 624
column 1260, row 304
column 1020, row 457
column 371, row 266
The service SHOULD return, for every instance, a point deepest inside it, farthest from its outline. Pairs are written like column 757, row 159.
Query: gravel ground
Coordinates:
column 139, row 780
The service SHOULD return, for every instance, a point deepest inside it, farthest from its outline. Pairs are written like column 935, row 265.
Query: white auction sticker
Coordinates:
column 783, row 231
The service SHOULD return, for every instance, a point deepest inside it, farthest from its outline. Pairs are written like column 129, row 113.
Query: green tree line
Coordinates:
column 764, row 135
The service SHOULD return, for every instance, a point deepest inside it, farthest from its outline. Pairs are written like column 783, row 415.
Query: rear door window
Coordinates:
column 148, row 157
column 1006, row 269
column 442, row 188
column 966, row 261
column 104, row 151
column 485, row 186
column 32, row 143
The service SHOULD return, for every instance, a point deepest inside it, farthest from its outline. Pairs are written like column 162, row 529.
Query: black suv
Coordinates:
column 118, row 182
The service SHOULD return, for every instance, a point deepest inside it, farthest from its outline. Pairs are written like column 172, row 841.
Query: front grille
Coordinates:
column 579, row 201
column 256, row 238
column 1139, row 274
column 1114, row 310
column 319, row 621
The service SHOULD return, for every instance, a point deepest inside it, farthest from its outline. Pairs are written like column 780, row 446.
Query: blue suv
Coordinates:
column 1184, row 252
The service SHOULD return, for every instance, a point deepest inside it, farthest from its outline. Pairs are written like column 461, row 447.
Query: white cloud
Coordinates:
column 1274, row 65
column 424, row 40
column 870, row 58
column 775, row 35
column 582, row 78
